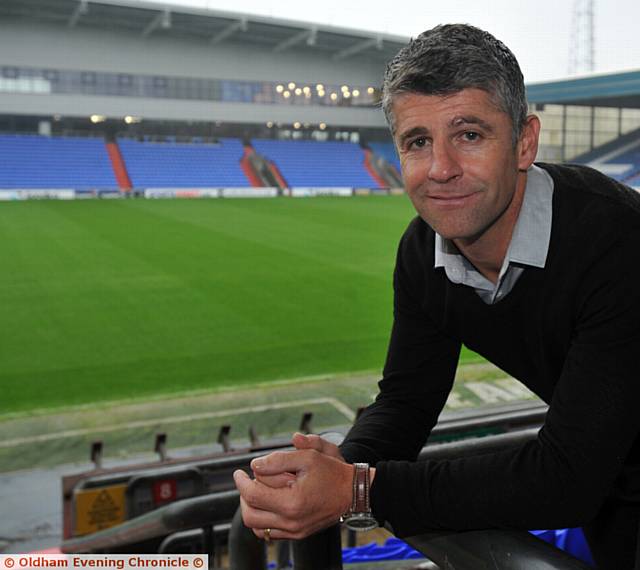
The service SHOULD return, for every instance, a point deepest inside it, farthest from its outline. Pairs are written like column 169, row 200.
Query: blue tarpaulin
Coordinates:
column 570, row 540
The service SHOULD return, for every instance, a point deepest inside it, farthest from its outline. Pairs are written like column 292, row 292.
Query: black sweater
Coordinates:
column 570, row 332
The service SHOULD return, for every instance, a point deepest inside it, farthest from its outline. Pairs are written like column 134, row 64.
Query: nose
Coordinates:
column 444, row 165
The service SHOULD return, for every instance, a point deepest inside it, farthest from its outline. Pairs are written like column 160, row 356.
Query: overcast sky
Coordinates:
column 537, row 31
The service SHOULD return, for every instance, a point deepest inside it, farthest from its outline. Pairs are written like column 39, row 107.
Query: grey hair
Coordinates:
column 452, row 57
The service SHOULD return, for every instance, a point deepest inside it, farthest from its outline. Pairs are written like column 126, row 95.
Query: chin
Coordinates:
column 452, row 232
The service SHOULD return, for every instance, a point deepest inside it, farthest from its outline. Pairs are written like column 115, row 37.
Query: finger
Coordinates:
column 258, row 495
column 280, row 462
column 267, row 534
column 258, row 519
column 312, row 441
column 282, row 534
column 251, row 491
column 241, row 479
column 275, row 534
column 277, row 481
column 303, row 441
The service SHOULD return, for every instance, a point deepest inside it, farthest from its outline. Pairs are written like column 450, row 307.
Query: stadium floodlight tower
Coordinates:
column 582, row 47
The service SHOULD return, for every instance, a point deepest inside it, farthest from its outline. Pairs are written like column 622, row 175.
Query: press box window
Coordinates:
column 88, row 78
column 10, row 72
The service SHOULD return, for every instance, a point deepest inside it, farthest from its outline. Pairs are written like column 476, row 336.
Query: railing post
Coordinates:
column 246, row 550
column 320, row 551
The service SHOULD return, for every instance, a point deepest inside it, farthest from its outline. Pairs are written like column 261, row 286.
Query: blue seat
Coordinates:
column 387, row 151
column 317, row 164
column 35, row 161
column 186, row 165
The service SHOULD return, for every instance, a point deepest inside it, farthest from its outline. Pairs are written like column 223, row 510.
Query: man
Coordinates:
column 532, row 266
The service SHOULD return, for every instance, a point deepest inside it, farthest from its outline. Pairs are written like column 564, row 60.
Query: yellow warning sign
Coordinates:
column 99, row 508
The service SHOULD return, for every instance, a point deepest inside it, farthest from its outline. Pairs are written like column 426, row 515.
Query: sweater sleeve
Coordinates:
column 417, row 376
column 562, row 478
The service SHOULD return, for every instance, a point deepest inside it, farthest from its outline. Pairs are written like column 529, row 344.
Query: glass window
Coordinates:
column 51, row 75
column 190, row 88
column 10, row 72
column 88, row 78
column 159, row 82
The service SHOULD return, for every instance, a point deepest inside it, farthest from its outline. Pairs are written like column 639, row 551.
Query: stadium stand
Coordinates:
column 630, row 159
column 387, row 151
column 634, row 181
column 310, row 163
column 39, row 162
column 188, row 165
column 619, row 159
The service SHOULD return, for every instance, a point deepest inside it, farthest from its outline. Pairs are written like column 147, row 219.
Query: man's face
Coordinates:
column 459, row 164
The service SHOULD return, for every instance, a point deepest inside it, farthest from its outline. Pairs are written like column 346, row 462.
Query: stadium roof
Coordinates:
column 598, row 90
column 208, row 26
column 212, row 27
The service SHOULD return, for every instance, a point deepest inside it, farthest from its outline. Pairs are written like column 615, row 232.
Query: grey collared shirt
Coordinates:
column 529, row 243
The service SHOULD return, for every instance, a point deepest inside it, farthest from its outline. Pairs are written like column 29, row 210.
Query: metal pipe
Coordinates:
column 197, row 512
column 492, row 550
column 246, row 550
column 320, row 551
column 506, row 418
column 478, row 445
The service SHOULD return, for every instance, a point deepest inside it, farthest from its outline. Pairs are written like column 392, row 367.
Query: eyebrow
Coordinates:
column 412, row 133
column 471, row 120
column 455, row 122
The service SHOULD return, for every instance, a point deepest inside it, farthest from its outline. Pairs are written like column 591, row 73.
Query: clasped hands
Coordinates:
column 296, row 493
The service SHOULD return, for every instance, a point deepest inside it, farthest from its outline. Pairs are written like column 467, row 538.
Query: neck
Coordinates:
column 487, row 251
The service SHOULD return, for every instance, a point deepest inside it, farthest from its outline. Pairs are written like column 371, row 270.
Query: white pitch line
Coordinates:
column 339, row 406
column 342, row 408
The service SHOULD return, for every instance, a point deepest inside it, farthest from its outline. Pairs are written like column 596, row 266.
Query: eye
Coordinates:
column 471, row 136
column 419, row 142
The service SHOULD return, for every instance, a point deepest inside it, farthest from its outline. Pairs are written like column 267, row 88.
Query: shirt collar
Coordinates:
column 531, row 235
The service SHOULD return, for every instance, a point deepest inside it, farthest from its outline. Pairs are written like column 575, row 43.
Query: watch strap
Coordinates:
column 361, row 486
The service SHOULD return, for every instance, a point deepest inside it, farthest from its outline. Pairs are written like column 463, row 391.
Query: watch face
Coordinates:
column 361, row 522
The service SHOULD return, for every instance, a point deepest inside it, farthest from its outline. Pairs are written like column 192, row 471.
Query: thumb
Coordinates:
column 241, row 479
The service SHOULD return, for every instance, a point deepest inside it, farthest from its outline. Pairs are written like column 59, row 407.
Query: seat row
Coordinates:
column 34, row 161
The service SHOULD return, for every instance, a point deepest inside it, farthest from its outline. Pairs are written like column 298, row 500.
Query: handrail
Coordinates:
column 317, row 552
column 196, row 512
column 473, row 446
column 516, row 416
column 472, row 550
column 492, row 550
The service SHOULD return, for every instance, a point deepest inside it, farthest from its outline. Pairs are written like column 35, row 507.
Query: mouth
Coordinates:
column 452, row 200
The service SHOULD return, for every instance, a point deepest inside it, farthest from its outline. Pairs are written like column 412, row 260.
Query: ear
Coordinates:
column 528, row 142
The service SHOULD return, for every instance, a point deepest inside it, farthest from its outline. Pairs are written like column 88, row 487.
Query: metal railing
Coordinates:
column 472, row 550
column 492, row 550
column 197, row 512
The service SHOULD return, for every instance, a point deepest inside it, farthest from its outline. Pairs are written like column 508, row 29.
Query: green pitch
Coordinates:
column 105, row 300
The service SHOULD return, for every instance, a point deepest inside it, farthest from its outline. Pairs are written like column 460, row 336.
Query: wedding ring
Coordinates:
column 267, row 535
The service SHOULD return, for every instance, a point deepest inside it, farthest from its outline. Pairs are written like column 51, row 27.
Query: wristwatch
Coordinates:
column 359, row 516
